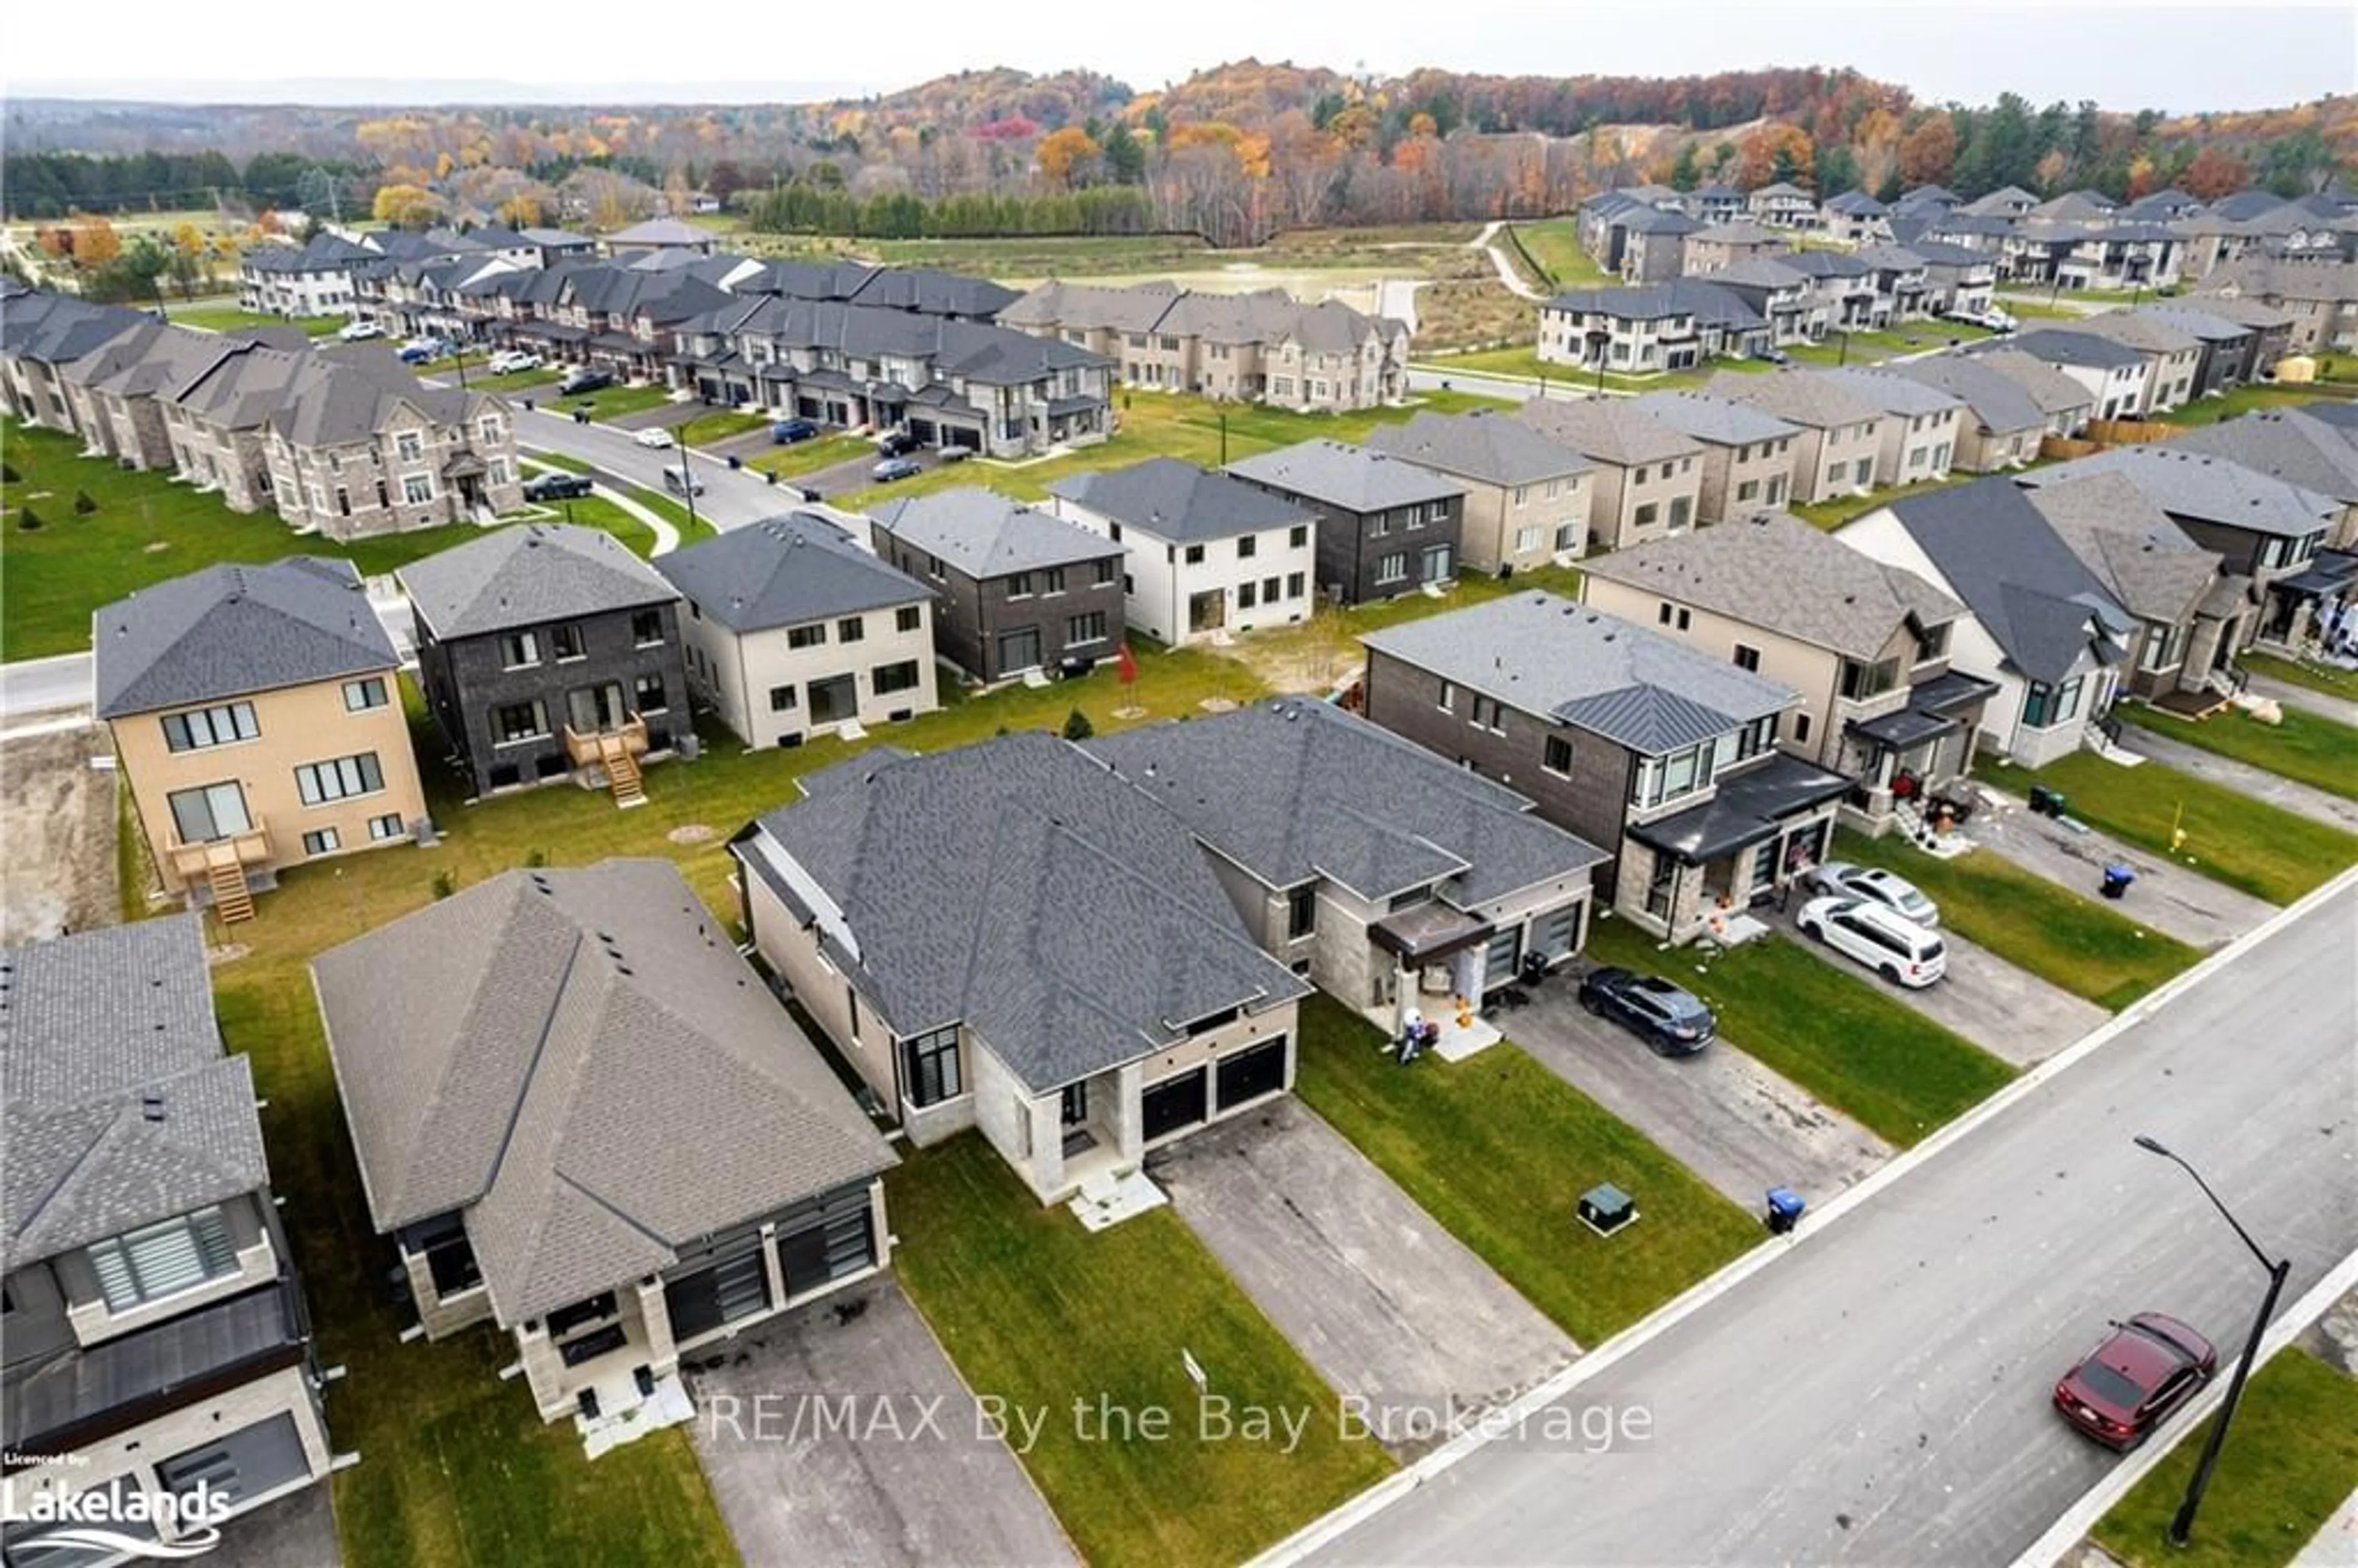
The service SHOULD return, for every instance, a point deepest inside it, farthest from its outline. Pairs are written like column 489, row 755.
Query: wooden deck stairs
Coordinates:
column 232, row 899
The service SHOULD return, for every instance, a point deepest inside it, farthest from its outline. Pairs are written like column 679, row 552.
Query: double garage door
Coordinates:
column 1181, row 1102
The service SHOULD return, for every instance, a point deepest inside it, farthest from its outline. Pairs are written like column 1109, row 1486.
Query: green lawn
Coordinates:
column 222, row 318
column 2070, row 941
column 2305, row 748
column 1831, row 514
column 1325, row 650
column 2268, row 852
column 2243, row 400
column 2331, row 679
column 1525, row 362
column 1834, row 1034
column 2288, row 1464
column 516, row 380
column 718, row 424
column 597, row 512
column 616, row 401
column 1873, row 347
column 1038, row 1312
column 810, row 457
column 1499, row 1149
column 1554, row 243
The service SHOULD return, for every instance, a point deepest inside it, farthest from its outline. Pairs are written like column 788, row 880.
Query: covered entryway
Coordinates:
column 1172, row 1105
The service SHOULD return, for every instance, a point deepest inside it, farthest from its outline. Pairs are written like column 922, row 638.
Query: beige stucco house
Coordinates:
column 1646, row 478
column 1529, row 498
column 1840, row 434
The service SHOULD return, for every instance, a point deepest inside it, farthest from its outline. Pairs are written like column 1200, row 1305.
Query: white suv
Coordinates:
column 1891, row 945
column 353, row 331
column 509, row 361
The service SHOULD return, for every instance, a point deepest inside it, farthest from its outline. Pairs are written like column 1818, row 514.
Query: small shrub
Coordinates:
column 1078, row 726
column 28, row 520
column 83, row 505
column 444, row 885
column 534, row 859
column 8, row 474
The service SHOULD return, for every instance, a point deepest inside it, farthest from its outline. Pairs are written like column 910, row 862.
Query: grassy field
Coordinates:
column 2067, row 940
column 1554, row 243
column 616, row 401
column 517, row 381
column 213, row 317
column 1874, row 348
column 2248, row 399
column 810, row 457
column 1499, row 1149
column 1324, row 651
column 1835, row 1034
column 2289, row 1464
column 2230, row 837
column 1037, row 1311
column 1524, row 361
column 1453, row 313
column 1833, row 514
column 2304, row 748
column 718, row 424
column 2331, row 679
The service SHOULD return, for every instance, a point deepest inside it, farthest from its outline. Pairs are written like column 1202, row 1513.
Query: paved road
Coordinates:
column 2300, row 799
column 40, row 686
column 1879, row 1396
column 730, row 499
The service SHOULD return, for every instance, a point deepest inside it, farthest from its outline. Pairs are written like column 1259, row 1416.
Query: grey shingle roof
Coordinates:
column 120, row 1108
column 782, row 571
column 1092, row 306
column 986, row 535
column 522, row 577
column 1485, row 445
column 1547, row 655
column 1714, row 420
column 1804, row 397
column 660, row 232
column 2050, row 389
column 1892, row 394
column 2131, row 545
column 1179, row 501
column 1762, row 272
column 1775, row 571
column 1293, row 789
column 2143, row 329
column 2290, row 444
column 1608, row 430
column 1699, row 298
column 578, row 1061
column 1352, row 478
column 228, row 631
column 2195, row 484
column 2051, row 345
column 1020, row 888
column 1997, row 403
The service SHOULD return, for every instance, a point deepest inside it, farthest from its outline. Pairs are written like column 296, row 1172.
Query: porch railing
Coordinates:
column 585, row 748
column 194, row 862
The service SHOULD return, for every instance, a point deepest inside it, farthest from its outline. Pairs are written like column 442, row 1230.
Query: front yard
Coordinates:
column 2266, row 851
column 810, row 457
column 1888, row 1066
column 1089, row 1332
column 2246, row 399
column 2033, row 923
column 1323, row 651
column 613, row 402
column 2331, row 679
column 2305, row 748
column 1499, row 1149
column 216, row 318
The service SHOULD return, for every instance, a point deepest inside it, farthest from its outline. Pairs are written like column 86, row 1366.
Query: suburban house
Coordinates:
column 158, row 1345
column 1785, row 296
column 1639, row 238
column 668, row 234
column 42, row 331
column 1715, row 202
column 1666, row 754
column 1918, row 434
column 1852, row 292
column 548, row 652
column 1653, row 327
column 257, row 714
column 2172, row 357
column 581, row 1116
column 2065, row 402
column 2310, row 445
column 2319, row 297
column 1840, row 434
column 2261, row 527
column 1783, row 205
column 1390, row 878
column 314, row 279
column 1386, row 527
column 1105, row 997
column 1527, row 497
column 1855, row 217
column 1718, row 246
column 2113, row 374
column 791, row 630
column 2230, row 348
column 1957, row 279
column 2000, row 425
column 1748, row 456
column 1202, row 553
column 1016, row 589
column 1646, row 475
column 1865, row 644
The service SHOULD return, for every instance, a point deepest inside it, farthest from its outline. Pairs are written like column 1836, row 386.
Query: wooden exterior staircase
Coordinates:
column 232, row 899
column 615, row 754
column 623, row 778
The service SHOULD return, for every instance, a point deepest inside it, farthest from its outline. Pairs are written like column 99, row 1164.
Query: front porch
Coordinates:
column 1918, row 753
column 1689, row 874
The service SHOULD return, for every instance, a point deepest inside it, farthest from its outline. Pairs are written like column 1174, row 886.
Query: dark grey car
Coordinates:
column 1674, row 1022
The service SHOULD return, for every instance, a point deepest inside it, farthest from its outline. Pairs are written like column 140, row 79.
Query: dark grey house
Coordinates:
column 157, row 1340
column 1014, row 589
column 1386, row 527
column 545, row 649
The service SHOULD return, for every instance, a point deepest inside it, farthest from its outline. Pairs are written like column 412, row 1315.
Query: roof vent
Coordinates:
column 151, row 1105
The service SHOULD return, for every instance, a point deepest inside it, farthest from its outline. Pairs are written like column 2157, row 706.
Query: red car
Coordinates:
column 2129, row 1384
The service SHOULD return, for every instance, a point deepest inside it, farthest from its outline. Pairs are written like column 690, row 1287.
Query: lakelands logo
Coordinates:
column 111, row 1523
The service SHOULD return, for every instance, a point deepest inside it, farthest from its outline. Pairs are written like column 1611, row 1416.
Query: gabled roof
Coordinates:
column 1782, row 187
column 1093, row 306
column 783, row 571
column 1714, row 420
column 2241, row 205
column 52, row 329
column 2291, row 444
column 2194, row 484
column 2054, row 345
column 985, row 535
column 121, row 1108
column 1940, row 252
column 2143, row 558
column 233, row 631
column 2049, row 388
column 1776, row 572
column 2004, row 203
column 525, row 576
column 1178, row 501
column 1899, row 394
column 1607, row 429
column 1351, row 478
column 1019, row 887
column 2199, row 322
column 1802, row 396
column 1856, row 204
column 1742, row 231
column 2077, row 206
column 578, row 1061
column 1824, row 265
column 1762, row 272
column 931, row 292
column 2141, row 330
column 1295, row 789
column 1485, row 445
column 1998, row 403
column 1708, row 303
column 972, row 350
column 1546, row 655
column 2270, row 279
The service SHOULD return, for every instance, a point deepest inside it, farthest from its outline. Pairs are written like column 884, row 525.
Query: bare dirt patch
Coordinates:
column 690, row 833
column 57, row 818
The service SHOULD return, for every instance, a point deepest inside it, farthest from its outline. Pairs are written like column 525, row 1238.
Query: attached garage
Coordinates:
column 1555, row 935
column 243, row 1465
column 1248, row 1074
column 826, row 1242
column 733, row 1286
column 1172, row 1104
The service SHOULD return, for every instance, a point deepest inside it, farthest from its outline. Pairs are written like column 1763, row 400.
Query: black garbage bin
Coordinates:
column 2039, row 796
column 1533, row 969
column 735, row 462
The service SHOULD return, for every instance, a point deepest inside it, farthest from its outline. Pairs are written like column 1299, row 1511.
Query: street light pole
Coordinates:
column 2181, row 1527
column 686, row 473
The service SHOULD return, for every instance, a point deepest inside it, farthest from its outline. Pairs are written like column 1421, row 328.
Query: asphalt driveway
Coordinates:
column 2167, row 896
column 1381, row 1300
column 2009, row 1012
column 1725, row 1116
column 841, row 1434
column 297, row 1531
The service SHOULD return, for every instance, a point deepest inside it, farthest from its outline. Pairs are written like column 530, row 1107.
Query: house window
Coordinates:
column 1019, row 586
column 416, row 489
column 908, row 618
column 890, row 678
column 361, row 695
column 1301, row 912
column 2164, row 646
column 647, row 628
column 407, row 446
column 519, row 650
column 490, row 432
column 806, row 636
column 850, row 628
column 1101, row 573
column 1489, row 715
column 1089, row 628
column 1931, row 643
column 930, row 1067
column 1801, row 728
column 1447, row 699
column 565, row 643
column 516, row 721
column 1298, row 536
column 159, row 1261
column 1245, row 546
column 319, row 782
column 209, row 812
column 203, row 727
column 1195, row 555
column 1247, row 596
column 1861, row 682
column 1392, row 568
column 321, row 841
column 1682, row 511
column 784, row 699
column 648, row 694
column 386, row 826
column 1645, row 515
column 1295, row 584
column 1557, row 756
column 1052, row 581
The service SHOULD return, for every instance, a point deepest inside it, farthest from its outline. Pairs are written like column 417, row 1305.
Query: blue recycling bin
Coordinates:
column 1785, row 1206
column 2117, row 878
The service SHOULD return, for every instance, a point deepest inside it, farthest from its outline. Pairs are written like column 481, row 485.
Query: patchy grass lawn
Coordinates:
column 810, row 457
column 2032, row 924
column 517, row 381
column 2290, row 1460
column 1323, row 651
column 2306, row 748
column 1831, row 514
column 725, row 425
column 1554, row 244
column 1459, row 312
column 1873, row 347
column 224, row 317
column 1499, row 1149
column 1524, row 361
column 2243, row 400
column 2262, row 850
column 2331, row 679
column 1835, row 1034
column 1038, row 1312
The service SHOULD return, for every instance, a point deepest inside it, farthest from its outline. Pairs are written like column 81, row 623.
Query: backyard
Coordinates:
column 2248, row 399
column 2302, row 746
column 1888, row 1066
column 2333, row 680
column 1499, row 1149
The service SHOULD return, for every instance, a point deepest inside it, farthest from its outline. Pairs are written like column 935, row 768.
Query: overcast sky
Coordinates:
column 2126, row 56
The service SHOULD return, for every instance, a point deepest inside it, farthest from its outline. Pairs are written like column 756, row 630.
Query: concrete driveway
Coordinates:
column 2324, row 704
column 1382, row 1300
column 1739, row 1125
column 297, row 1531
column 2286, row 794
column 2009, row 1012
column 842, row 1434
column 2167, row 896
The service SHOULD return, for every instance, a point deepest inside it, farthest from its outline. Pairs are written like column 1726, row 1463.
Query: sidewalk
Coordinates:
column 2335, row 1545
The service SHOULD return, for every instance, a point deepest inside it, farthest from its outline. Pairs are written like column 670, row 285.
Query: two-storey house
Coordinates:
column 2172, row 357
column 2000, row 427
column 1016, row 589
column 1385, row 526
column 1748, row 456
column 1203, row 554
column 314, row 279
column 1784, row 297
column 1651, row 327
column 1840, row 434
column 1646, row 476
column 1916, row 437
column 1527, row 497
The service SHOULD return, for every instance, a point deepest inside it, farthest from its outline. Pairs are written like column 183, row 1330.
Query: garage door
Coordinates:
column 1556, row 931
column 1172, row 1104
column 243, row 1465
column 1252, row 1073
